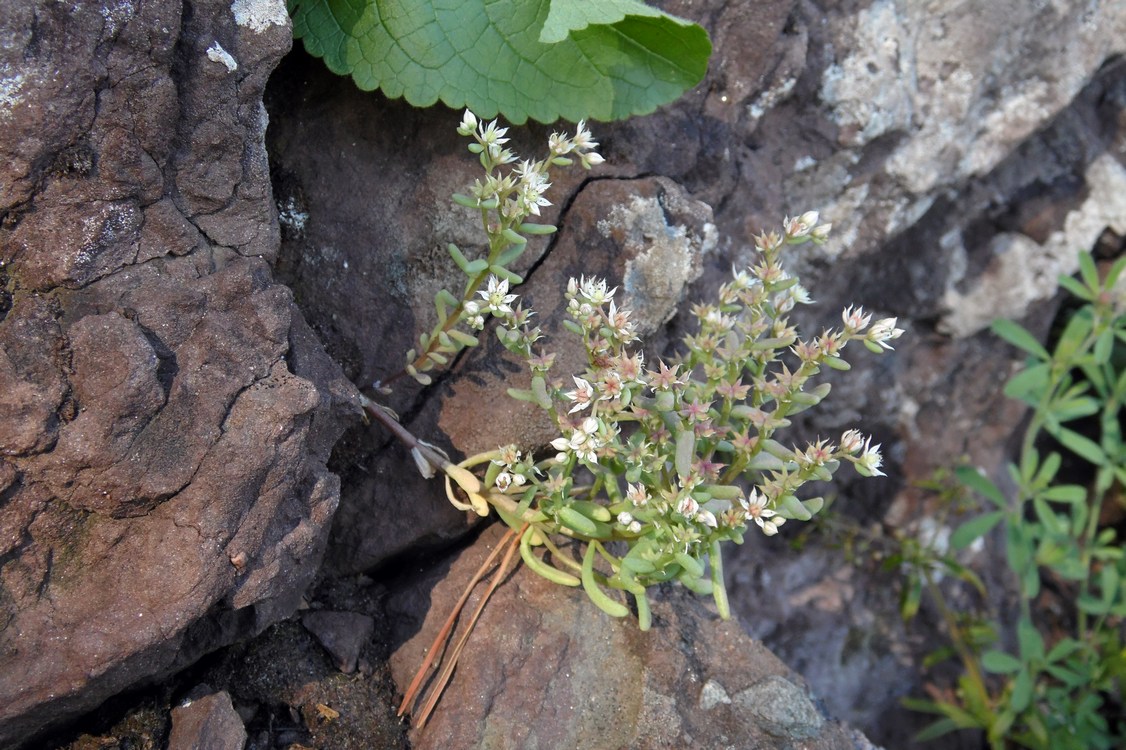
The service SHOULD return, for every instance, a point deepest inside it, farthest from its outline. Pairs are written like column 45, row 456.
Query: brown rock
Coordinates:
column 545, row 669
column 343, row 634
column 165, row 414
column 208, row 723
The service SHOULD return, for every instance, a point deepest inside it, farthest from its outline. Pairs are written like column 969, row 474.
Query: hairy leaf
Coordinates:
column 601, row 61
column 566, row 16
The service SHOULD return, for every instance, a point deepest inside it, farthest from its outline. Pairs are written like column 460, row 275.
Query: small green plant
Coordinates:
column 657, row 465
column 543, row 59
column 504, row 201
column 1030, row 685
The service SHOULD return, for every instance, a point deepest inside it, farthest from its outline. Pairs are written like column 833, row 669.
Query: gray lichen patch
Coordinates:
column 216, row 53
column 782, row 708
column 1022, row 271
column 666, row 257
column 259, row 15
column 713, row 694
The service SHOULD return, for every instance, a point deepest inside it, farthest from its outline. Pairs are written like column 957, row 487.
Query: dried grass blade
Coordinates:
column 447, row 628
column 513, row 540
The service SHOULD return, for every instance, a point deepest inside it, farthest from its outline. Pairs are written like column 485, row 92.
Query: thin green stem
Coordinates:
column 961, row 646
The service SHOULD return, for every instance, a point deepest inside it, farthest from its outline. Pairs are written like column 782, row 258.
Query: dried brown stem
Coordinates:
column 447, row 628
column 512, row 540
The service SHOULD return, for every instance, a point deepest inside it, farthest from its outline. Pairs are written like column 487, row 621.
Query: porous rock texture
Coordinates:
column 165, row 413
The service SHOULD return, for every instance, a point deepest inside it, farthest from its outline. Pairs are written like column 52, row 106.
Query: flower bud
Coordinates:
column 468, row 123
column 591, row 160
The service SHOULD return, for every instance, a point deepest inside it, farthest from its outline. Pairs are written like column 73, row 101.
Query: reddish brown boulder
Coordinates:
column 165, row 415
column 546, row 669
column 207, row 723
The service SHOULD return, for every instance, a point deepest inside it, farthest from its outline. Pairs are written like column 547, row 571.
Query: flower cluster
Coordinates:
column 520, row 193
column 656, row 463
column 674, row 457
column 506, row 202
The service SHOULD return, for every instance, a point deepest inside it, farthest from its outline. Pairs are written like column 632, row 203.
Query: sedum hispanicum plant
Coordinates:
column 655, row 464
column 506, row 202
column 1030, row 685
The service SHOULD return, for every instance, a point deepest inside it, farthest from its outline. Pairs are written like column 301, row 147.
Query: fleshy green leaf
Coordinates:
column 1083, row 446
column 1065, row 647
column 1114, row 272
column 936, row 730
column 1022, row 691
column 1075, row 288
column 1030, row 583
column 1047, row 517
column 1074, row 334
column 962, row 719
column 1091, row 605
column 790, row 507
column 1088, row 271
column 814, row 504
column 490, row 55
column 610, row 606
column 1030, row 383
column 1065, row 493
column 1075, row 408
column 1030, row 639
column 981, row 484
column 1104, row 346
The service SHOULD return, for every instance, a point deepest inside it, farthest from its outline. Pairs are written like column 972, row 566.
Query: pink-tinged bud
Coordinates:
column 855, row 319
column 883, row 331
column 637, row 495
column 852, row 441
column 688, row 507
column 800, row 226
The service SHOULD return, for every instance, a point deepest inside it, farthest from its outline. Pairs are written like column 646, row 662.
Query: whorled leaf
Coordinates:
column 488, row 55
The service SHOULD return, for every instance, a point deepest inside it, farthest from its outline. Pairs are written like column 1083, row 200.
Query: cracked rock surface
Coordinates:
column 563, row 674
column 165, row 413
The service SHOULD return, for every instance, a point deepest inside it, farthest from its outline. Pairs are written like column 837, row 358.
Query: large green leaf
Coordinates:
column 611, row 60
